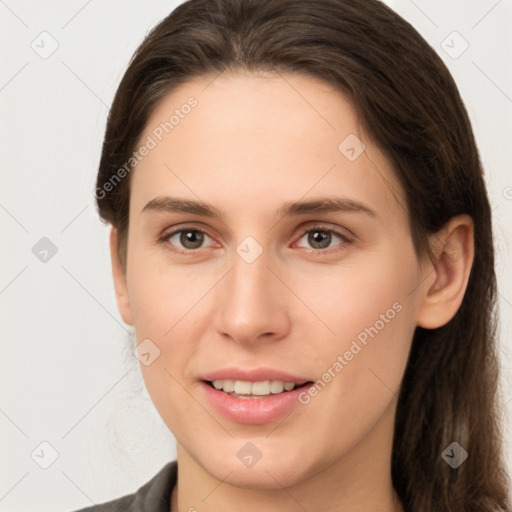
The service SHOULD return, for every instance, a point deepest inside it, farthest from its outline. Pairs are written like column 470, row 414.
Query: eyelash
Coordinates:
column 188, row 252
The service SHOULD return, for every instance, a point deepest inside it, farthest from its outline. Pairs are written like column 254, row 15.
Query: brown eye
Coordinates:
column 188, row 239
column 320, row 238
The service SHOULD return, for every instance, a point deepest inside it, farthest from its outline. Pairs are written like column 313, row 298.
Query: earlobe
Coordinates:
column 454, row 253
column 120, row 283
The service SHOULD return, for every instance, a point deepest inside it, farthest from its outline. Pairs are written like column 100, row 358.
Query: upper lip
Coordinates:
column 253, row 375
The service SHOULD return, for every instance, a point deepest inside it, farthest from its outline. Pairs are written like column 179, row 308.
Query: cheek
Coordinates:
column 368, row 291
column 161, row 294
column 167, row 309
column 368, row 316
column 360, row 367
column 170, row 307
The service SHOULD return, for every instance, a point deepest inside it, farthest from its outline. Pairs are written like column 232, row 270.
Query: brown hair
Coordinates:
column 409, row 104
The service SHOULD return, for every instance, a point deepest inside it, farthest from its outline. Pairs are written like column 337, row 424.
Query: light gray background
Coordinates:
column 66, row 374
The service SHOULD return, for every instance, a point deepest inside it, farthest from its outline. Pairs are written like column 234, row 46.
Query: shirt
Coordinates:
column 153, row 496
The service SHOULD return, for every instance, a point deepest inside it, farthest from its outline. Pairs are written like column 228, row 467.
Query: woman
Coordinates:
column 301, row 239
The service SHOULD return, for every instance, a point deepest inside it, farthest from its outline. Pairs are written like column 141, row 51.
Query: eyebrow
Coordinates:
column 166, row 204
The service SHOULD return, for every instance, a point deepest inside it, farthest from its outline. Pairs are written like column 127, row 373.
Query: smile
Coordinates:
column 247, row 389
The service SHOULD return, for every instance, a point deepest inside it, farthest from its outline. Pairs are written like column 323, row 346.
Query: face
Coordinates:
column 269, row 284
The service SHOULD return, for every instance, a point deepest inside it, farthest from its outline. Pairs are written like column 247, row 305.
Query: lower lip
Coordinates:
column 253, row 411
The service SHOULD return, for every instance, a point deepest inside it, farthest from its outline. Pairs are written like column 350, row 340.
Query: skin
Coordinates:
column 252, row 143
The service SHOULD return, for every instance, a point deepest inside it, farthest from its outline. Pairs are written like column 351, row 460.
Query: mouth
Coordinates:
column 255, row 395
column 250, row 390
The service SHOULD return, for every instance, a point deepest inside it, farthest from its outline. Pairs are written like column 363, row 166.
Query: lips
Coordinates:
column 254, row 375
column 252, row 409
column 261, row 388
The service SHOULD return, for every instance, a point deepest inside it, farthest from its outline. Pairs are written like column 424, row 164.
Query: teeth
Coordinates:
column 260, row 388
column 229, row 386
column 243, row 387
column 276, row 386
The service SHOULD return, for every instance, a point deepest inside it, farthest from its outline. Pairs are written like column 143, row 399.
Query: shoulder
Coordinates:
column 153, row 496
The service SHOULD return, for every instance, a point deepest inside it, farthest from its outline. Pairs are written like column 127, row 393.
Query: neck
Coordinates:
column 357, row 482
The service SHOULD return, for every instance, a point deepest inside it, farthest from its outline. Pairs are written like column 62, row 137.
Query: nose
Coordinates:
column 252, row 302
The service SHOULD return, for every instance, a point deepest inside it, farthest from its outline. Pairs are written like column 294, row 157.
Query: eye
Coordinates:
column 186, row 238
column 320, row 238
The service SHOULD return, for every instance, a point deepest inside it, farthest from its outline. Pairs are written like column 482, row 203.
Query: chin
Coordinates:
column 261, row 478
column 283, row 467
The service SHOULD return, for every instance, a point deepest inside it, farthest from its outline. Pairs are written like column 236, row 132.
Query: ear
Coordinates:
column 120, row 284
column 454, row 249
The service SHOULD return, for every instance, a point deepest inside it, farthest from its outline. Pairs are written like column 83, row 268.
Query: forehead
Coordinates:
column 260, row 139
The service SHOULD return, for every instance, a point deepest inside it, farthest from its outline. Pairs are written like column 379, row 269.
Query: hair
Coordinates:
column 408, row 103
